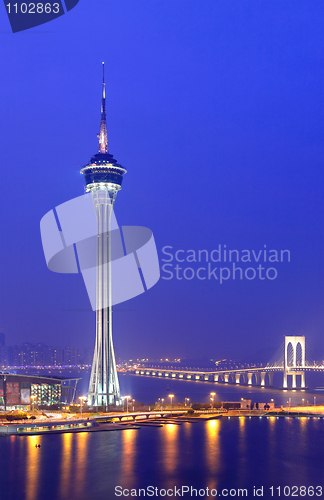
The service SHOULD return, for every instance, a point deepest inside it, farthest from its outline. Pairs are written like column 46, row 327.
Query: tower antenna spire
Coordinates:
column 103, row 135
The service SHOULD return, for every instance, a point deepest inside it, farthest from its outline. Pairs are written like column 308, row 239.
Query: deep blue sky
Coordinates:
column 215, row 108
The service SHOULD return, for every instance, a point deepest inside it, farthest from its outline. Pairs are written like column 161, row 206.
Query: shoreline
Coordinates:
column 114, row 422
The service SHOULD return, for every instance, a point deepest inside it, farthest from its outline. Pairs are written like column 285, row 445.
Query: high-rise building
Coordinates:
column 57, row 356
column 71, row 356
column 3, row 350
column 103, row 178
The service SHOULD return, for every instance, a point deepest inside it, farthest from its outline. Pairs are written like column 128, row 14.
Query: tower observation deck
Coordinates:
column 103, row 178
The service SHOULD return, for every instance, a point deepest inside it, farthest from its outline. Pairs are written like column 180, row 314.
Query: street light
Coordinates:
column 127, row 398
column 133, row 401
column 171, row 396
column 314, row 400
column 187, row 401
column 213, row 394
column 82, row 398
column 162, row 401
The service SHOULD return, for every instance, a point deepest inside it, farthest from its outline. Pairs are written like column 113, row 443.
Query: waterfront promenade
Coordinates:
column 135, row 420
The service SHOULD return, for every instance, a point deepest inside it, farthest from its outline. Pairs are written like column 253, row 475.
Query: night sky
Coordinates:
column 215, row 108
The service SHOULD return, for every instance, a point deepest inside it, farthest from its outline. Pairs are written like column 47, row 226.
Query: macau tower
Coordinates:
column 103, row 178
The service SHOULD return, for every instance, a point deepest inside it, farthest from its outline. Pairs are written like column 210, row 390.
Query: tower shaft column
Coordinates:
column 104, row 385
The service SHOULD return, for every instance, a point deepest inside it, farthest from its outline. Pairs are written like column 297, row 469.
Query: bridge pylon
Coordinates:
column 291, row 366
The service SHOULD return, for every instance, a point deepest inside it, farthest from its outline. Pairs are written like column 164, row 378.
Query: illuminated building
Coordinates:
column 22, row 391
column 103, row 178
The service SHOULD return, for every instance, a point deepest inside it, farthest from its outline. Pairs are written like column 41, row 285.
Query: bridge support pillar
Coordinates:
column 303, row 381
column 249, row 378
column 226, row 377
column 244, row 378
column 294, row 385
column 263, row 379
column 285, row 380
column 237, row 378
column 257, row 379
column 270, row 375
column 216, row 378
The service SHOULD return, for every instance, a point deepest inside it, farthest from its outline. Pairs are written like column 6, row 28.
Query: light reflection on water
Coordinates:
column 170, row 448
column 242, row 449
column 33, row 466
column 81, row 461
column 213, row 452
column 271, row 446
column 66, row 464
column 301, row 441
column 128, row 438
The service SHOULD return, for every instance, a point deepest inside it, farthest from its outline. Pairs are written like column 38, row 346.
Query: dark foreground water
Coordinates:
column 225, row 454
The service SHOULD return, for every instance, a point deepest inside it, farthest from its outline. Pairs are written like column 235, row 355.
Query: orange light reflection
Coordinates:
column 32, row 466
column 213, row 451
column 81, row 461
column 129, row 437
column 242, row 449
column 170, row 447
column 66, row 465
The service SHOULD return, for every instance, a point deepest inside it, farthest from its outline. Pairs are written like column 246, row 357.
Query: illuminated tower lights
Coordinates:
column 103, row 178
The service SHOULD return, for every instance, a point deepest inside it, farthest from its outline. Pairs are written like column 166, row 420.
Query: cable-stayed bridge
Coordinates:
column 290, row 360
